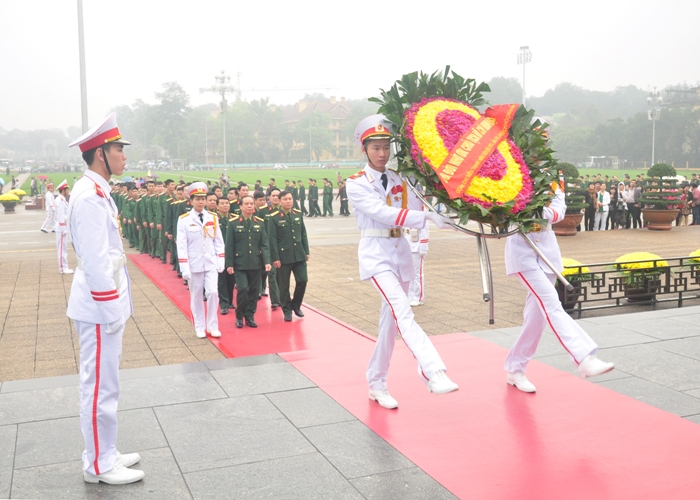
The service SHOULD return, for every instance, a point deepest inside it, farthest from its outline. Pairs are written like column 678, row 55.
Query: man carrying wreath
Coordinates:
column 384, row 205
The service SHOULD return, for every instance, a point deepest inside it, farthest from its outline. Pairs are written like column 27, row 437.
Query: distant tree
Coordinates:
column 313, row 130
column 504, row 91
column 171, row 117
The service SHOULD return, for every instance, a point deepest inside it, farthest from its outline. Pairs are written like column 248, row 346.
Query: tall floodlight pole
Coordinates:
column 83, row 78
column 221, row 87
column 654, row 101
column 524, row 57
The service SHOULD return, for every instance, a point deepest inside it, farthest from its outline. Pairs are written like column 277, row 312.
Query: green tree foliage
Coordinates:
column 504, row 90
column 313, row 130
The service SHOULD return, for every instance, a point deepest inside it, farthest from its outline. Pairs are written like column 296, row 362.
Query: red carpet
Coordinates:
column 572, row 439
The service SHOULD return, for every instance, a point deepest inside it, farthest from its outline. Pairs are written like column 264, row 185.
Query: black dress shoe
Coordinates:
column 288, row 316
column 179, row 275
column 239, row 323
column 224, row 311
column 251, row 323
column 299, row 312
column 264, row 294
column 274, row 305
column 205, row 298
column 44, row 231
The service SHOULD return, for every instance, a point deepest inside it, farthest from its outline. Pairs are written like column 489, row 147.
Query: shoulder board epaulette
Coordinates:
column 99, row 191
column 213, row 213
column 255, row 217
column 263, row 207
column 295, row 211
column 274, row 213
column 184, row 215
column 152, row 195
column 169, row 199
column 356, row 175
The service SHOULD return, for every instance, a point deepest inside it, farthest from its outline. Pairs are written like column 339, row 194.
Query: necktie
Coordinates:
column 385, row 181
column 201, row 218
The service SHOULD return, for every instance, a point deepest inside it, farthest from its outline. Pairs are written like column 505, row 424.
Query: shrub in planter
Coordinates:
column 661, row 190
column 641, row 271
column 575, row 192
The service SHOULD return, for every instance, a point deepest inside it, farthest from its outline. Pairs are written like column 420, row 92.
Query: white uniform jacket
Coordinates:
column 49, row 201
column 369, row 200
column 61, row 207
column 520, row 257
column 100, row 292
column 200, row 246
column 418, row 239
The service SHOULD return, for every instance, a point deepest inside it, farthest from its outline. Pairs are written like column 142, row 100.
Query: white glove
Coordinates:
column 440, row 220
column 115, row 326
column 220, row 265
column 186, row 276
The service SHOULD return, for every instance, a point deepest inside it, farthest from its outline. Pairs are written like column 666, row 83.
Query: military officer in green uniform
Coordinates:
column 155, row 220
column 165, row 200
column 182, row 207
column 327, row 198
column 289, row 251
column 301, row 190
column 226, row 280
column 271, row 275
column 140, row 220
column 247, row 251
column 314, row 209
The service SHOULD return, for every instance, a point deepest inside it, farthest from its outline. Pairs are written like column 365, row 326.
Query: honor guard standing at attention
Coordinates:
column 50, row 204
column 200, row 250
column 100, row 303
column 542, row 305
column 247, row 252
column 289, row 251
column 61, row 229
column 383, row 205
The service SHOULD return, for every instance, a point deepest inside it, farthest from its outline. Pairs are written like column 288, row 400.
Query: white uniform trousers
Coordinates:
column 49, row 222
column 416, row 291
column 209, row 281
column 542, row 308
column 396, row 316
column 62, row 250
column 600, row 220
column 100, row 353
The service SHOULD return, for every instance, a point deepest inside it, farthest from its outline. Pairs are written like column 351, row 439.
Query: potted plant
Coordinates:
column 661, row 197
column 694, row 264
column 641, row 271
column 576, row 273
column 9, row 201
column 575, row 201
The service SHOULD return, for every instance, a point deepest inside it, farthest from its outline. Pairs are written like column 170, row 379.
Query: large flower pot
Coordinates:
column 9, row 206
column 567, row 226
column 642, row 291
column 659, row 220
column 568, row 301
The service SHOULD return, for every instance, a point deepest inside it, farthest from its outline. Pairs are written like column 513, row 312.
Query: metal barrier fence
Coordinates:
column 610, row 284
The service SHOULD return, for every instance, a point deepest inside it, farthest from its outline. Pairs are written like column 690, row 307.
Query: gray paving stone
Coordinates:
column 355, row 450
column 406, row 484
column 40, row 383
column 689, row 347
column 60, row 440
column 613, row 335
column 655, row 395
column 259, row 379
column 168, row 390
column 221, row 433
column 42, row 404
column 307, row 407
column 662, row 328
column 563, row 362
column 693, row 418
column 8, row 437
column 65, row 480
column 304, row 477
column 649, row 362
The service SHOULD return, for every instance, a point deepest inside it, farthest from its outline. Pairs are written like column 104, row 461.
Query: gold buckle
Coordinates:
column 394, row 232
column 536, row 228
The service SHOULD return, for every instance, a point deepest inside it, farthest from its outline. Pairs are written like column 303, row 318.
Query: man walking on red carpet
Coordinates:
column 384, row 205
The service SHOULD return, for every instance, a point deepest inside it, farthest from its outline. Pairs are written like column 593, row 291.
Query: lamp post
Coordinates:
column 83, row 79
column 524, row 57
column 654, row 101
column 221, row 87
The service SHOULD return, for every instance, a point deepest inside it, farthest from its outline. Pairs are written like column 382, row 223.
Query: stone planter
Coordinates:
column 9, row 206
column 642, row 291
column 659, row 220
column 568, row 301
column 567, row 226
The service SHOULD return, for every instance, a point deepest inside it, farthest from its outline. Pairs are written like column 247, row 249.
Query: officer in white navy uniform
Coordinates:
column 384, row 206
column 61, row 206
column 200, row 251
column 542, row 305
column 50, row 205
column 100, row 303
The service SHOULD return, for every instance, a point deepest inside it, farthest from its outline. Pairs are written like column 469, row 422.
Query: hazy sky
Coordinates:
column 132, row 47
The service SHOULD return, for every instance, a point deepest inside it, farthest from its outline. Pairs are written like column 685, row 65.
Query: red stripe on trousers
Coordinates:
column 94, row 398
column 397, row 323
column 60, row 251
column 547, row 316
column 421, row 279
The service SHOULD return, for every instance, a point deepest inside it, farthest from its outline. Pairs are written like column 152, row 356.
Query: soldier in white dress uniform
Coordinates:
column 50, row 205
column 200, row 251
column 384, row 206
column 100, row 303
column 61, row 205
column 542, row 305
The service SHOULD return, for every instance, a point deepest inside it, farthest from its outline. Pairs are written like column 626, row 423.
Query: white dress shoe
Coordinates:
column 201, row 335
column 68, row 271
column 215, row 333
column 592, row 366
column 520, row 381
column 118, row 475
column 440, row 383
column 383, row 398
column 415, row 303
column 128, row 459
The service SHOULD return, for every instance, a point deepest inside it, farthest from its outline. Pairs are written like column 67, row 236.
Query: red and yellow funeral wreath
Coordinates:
column 492, row 166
